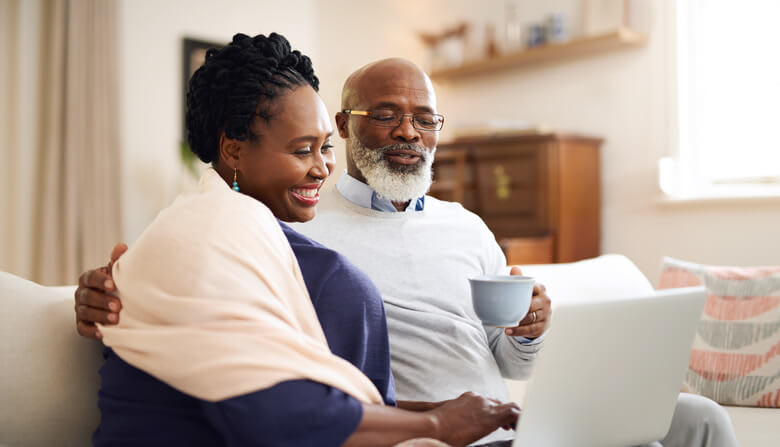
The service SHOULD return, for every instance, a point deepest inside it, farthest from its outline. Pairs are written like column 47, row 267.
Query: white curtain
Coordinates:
column 17, row 159
column 64, row 212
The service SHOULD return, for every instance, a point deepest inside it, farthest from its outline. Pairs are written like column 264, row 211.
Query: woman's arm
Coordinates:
column 387, row 426
column 457, row 422
column 418, row 405
column 302, row 413
column 306, row 413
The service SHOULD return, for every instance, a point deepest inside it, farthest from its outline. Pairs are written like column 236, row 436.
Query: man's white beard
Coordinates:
column 399, row 183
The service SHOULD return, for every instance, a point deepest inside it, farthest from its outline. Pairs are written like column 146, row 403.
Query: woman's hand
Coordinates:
column 457, row 422
column 470, row 417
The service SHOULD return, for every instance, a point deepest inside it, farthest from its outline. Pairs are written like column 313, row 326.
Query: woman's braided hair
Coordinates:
column 237, row 82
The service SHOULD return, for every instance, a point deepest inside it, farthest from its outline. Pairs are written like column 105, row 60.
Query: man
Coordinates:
column 420, row 251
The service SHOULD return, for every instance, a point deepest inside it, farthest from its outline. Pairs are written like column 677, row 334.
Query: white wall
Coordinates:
column 623, row 97
column 151, row 88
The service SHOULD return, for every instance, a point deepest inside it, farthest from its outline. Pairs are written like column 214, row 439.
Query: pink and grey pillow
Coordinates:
column 735, row 358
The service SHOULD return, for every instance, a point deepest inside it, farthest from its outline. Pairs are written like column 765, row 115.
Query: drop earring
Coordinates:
column 235, row 181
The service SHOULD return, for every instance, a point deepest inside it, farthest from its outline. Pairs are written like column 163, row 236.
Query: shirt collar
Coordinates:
column 364, row 196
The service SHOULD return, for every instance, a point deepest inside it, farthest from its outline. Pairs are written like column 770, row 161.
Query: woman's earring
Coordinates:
column 235, row 182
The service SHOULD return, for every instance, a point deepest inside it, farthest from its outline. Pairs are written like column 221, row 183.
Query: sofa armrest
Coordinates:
column 49, row 378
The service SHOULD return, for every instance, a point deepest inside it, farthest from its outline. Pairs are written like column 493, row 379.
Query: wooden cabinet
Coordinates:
column 539, row 194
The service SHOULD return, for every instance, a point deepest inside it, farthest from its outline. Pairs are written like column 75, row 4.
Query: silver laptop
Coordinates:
column 610, row 372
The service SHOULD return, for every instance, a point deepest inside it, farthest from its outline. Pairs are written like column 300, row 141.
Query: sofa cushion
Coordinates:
column 736, row 354
column 49, row 378
column 606, row 277
column 755, row 427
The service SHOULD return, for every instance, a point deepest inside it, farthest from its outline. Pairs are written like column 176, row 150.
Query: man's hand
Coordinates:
column 535, row 323
column 471, row 416
column 93, row 302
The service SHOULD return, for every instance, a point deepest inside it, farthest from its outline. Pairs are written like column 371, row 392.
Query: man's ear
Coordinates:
column 229, row 150
column 342, row 124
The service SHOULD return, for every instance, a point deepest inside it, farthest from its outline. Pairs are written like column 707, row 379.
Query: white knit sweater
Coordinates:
column 421, row 262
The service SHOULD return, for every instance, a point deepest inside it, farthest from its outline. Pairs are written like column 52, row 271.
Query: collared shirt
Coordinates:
column 364, row 196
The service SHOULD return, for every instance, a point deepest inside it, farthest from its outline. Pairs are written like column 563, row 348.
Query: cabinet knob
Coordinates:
column 502, row 183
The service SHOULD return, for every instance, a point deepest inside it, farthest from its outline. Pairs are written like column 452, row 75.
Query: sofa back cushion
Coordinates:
column 736, row 354
column 49, row 375
column 606, row 277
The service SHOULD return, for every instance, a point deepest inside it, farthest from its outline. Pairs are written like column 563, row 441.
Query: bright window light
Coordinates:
column 728, row 59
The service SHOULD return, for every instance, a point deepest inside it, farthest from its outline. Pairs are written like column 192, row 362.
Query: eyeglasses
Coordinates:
column 392, row 118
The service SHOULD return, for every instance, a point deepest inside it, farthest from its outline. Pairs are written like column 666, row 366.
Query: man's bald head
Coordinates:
column 394, row 154
column 393, row 73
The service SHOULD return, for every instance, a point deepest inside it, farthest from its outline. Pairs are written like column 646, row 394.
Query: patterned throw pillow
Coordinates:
column 736, row 354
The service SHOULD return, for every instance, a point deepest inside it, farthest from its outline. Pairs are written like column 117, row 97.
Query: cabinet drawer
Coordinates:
column 508, row 181
column 516, row 226
column 515, row 202
column 450, row 171
column 528, row 250
column 542, row 190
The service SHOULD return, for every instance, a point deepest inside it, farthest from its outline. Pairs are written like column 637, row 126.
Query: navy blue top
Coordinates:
column 349, row 307
column 137, row 409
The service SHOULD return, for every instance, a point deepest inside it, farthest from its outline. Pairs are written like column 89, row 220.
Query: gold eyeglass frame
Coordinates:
column 367, row 113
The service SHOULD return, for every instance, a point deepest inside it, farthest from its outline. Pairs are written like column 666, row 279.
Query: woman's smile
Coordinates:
column 307, row 195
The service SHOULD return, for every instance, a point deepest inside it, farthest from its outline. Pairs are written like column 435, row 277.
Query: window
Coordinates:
column 728, row 99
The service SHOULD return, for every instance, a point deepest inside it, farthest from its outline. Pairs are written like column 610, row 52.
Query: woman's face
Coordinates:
column 286, row 166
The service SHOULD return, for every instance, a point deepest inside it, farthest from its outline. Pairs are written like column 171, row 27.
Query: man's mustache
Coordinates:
column 420, row 150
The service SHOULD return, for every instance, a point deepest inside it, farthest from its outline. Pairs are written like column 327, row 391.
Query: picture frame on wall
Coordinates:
column 193, row 56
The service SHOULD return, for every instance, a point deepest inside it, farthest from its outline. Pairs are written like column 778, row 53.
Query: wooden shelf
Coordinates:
column 619, row 39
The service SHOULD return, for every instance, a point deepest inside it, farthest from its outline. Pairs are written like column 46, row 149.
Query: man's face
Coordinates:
column 394, row 161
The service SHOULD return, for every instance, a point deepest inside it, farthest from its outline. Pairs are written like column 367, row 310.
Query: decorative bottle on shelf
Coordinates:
column 555, row 28
column 513, row 29
column 491, row 47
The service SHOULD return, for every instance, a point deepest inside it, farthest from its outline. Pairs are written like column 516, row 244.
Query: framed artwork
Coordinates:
column 193, row 56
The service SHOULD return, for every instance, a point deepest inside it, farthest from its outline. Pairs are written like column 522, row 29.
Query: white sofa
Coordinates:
column 49, row 380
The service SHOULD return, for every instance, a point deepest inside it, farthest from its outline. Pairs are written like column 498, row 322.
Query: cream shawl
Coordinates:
column 214, row 303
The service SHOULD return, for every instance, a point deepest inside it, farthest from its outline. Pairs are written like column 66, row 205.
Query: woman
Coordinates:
column 218, row 342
